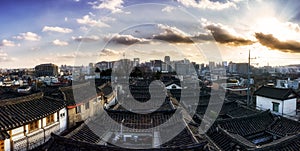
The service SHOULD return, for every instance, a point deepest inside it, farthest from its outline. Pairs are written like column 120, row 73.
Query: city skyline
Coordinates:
column 76, row 32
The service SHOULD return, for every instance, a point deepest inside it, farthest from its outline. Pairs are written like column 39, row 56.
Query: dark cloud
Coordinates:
column 272, row 42
column 223, row 36
column 108, row 52
column 172, row 35
column 125, row 39
column 173, row 38
column 203, row 37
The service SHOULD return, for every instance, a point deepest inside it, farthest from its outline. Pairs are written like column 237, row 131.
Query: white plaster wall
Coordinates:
column 55, row 117
column 264, row 103
column 63, row 119
column 287, row 107
column 27, row 129
column 7, row 145
column 290, row 106
column 17, row 130
column 40, row 123
column 44, row 122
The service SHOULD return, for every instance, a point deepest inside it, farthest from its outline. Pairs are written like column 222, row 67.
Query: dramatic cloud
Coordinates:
column 57, row 29
column 224, row 35
column 125, row 39
column 60, row 43
column 112, row 5
column 28, row 36
column 86, row 20
column 7, row 43
column 168, row 9
column 293, row 26
column 172, row 35
column 92, row 38
column 208, row 4
column 271, row 42
column 215, row 32
column 108, row 52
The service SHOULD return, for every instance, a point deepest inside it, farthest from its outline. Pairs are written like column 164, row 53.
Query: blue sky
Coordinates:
column 76, row 32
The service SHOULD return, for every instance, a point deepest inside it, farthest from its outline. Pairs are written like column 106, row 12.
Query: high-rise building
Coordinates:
column 166, row 65
column 211, row 65
column 136, row 62
column 167, row 59
column 48, row 69
column 156, row 64
column 242, row 68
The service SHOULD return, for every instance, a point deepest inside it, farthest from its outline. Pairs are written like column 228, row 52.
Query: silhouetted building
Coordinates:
column 136, row 62
column 48, row 69
column 167, row 59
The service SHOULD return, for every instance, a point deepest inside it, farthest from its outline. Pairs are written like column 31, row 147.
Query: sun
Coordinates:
column 282, row 30
column 271, row 25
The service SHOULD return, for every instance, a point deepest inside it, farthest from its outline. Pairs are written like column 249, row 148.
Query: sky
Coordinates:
column 77, row 32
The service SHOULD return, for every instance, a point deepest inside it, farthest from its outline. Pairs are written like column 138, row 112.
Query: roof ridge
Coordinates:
column 285, row 95
column 21, row 99
column 75, row 86
column 247, row 116
column 279, row 142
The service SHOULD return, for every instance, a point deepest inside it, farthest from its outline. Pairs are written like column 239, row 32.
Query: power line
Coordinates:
column 277, row 58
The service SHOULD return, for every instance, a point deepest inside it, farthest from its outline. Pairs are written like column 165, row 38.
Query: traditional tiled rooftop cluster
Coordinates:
column 83, row 91
column 15, row 112
column 21, row 110
column 261, row 131
column 141, row 124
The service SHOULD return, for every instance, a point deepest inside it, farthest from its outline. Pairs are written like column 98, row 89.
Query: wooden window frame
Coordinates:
column 33, row 126
column 50, row 119
column 2, row 145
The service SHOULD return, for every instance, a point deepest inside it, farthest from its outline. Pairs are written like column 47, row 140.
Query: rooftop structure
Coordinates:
column 261, row 131
column 46, row 70
column 279, row 100
column 26, row 122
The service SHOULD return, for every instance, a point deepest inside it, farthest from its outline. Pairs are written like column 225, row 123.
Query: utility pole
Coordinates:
column 248, row 83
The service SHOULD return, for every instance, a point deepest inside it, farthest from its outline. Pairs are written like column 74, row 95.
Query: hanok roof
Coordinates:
column 276, row 93
column 87, row 135
column 262, row 131
column 4, row 135
column 84, row 92
column 59, row 143
column 18, row 111
column 106, row 89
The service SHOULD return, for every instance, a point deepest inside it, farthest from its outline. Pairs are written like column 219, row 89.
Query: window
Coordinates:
column 1, row 145
column 87, row 105
column 62, row 115
column 33, row 126
column 78, row 109
column 275, row 107
column 50, row 119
